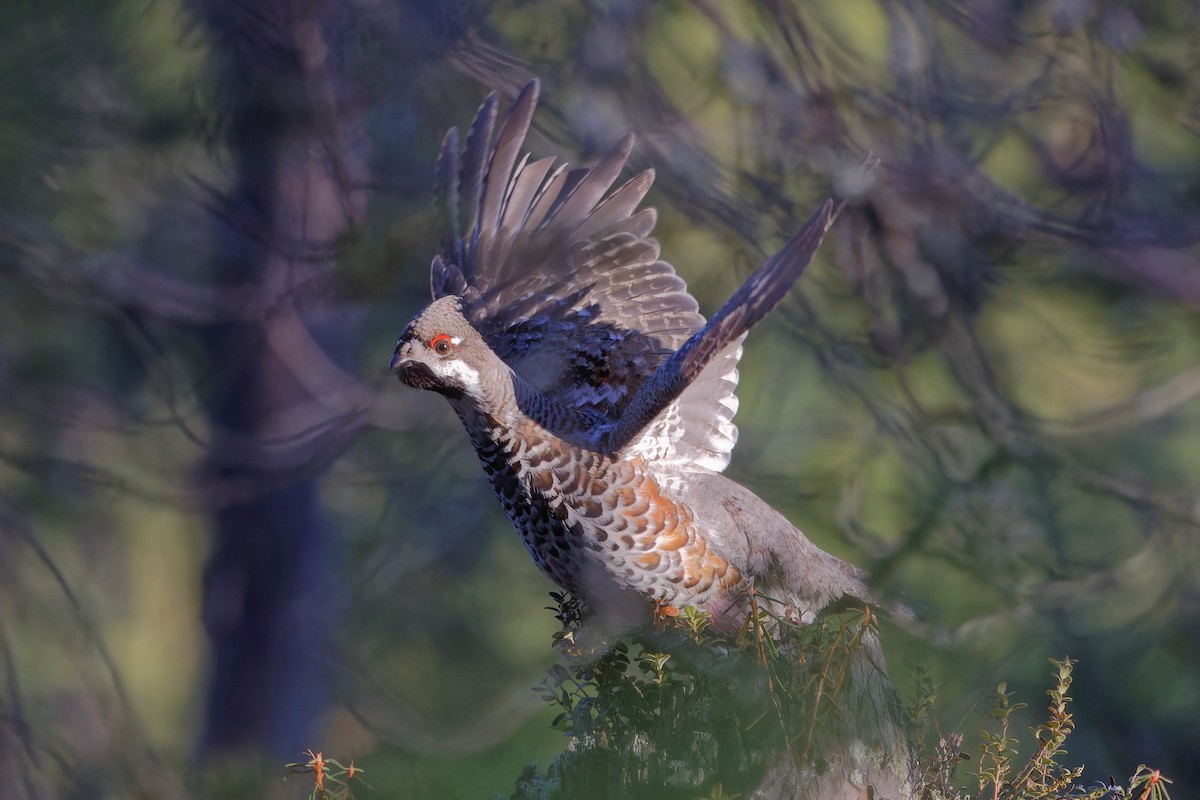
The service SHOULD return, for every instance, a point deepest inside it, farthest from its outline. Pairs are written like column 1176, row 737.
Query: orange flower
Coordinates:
column 1154, row 777
column 317, row 762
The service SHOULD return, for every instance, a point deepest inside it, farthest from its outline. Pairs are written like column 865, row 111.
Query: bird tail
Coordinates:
column 857, row 745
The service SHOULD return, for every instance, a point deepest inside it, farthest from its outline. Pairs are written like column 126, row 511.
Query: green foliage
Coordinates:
column 634, row 707
column 1002, row 776
column 998, row 749
column 685, row 709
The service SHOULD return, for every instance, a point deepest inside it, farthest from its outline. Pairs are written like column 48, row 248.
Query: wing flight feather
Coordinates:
column 562, row 277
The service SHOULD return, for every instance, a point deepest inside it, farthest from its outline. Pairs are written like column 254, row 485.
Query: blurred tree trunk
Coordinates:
column 293, row 132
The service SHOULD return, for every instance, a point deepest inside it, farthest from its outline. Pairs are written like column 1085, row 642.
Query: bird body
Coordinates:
column 598, row 399
column 592, row 520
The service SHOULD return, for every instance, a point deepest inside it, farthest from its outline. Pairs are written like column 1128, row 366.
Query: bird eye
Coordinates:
column 441, row 344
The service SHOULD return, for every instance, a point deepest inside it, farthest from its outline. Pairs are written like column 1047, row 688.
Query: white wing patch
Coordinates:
column 696, row 432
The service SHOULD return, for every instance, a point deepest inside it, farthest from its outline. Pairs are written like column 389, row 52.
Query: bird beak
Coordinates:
column 411, row 371
column 401, row 356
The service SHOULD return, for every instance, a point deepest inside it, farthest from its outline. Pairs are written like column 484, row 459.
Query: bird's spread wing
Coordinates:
column 749, row 304
column 561, row 276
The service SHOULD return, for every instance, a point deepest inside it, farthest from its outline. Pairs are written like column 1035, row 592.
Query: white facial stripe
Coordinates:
column 456, row 340
column 467, row 375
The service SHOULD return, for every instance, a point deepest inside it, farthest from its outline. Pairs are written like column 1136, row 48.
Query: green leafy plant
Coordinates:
column 1000, row 774
column 686, row 706
column 696, row 712
column 998, row 749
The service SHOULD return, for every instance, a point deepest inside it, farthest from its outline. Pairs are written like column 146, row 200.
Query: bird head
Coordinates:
column 441, row 351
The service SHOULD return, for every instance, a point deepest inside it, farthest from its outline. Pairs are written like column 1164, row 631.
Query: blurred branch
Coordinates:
column 127, row 726
column 399, row 723
column 122, row 281
column 14, row 521
column 1146, row 406
column 12, row 718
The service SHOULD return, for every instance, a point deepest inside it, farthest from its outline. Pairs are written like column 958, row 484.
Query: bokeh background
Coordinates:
column 226, row 536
